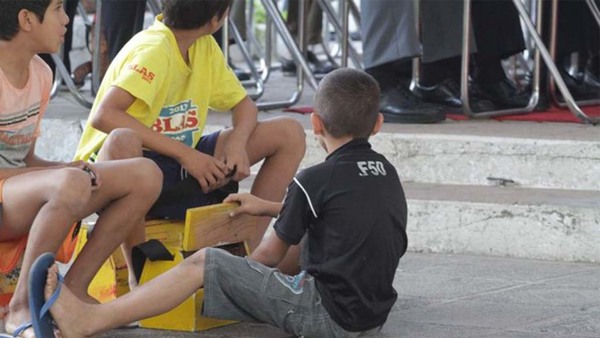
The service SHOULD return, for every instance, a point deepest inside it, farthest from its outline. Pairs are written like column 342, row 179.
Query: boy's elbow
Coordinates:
column 99, row 121
column 265, row 257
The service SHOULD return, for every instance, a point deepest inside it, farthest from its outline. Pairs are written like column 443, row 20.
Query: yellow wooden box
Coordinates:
column 8, row 283
column 208, row 226
column 112, row 280
column 187, row 315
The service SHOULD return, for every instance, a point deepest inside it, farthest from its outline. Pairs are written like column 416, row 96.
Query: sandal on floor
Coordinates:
column 81, row 72
column 42, row 322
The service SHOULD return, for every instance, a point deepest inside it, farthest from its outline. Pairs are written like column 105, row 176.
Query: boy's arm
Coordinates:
column 112, row 114
column 32, row 160
column 244, row 119
column 35, row 163
column 252, row 205
column 271, row 250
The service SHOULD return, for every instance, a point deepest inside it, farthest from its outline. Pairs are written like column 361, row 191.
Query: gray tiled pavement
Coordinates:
column 470, row 296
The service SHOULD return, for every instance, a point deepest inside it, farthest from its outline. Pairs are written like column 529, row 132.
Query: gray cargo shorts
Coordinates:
column 238, row 288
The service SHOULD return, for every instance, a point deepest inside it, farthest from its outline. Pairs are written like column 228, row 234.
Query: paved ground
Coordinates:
column 470, row 296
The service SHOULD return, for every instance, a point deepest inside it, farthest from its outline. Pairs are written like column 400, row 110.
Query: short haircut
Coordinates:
column 347, row 101
column 192, row 14
column 9, row 15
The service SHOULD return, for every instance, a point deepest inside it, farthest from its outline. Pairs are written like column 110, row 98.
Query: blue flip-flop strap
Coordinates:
column 46, row 307
column 22, row 329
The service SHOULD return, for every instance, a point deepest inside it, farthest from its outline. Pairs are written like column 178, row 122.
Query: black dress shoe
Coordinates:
column 591, row 79
column 504, row 94
column 320, row 67
column 400, row 105
column 241, row 74
column 447, row 94
column 580, row 89
column 288, row 67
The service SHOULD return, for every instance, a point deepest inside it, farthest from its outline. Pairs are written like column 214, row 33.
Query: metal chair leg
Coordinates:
column 464, row 83
column 570, row 102
column 61, row 71
column 595, row 11
column 342, row 30
column 552, row 80
column 96, row 52
column 295, row 51
column 257, row 81
column 62, row 74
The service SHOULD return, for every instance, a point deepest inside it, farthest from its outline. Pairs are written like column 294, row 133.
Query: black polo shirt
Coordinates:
column 353, row 209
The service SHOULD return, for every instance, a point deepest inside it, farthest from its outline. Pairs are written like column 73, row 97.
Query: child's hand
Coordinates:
column 249, row 204
column 237, row 162
column 91, row 170
column 209, row 171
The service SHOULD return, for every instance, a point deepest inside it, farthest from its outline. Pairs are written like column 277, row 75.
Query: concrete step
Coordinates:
column 487, row 160
column 547, row 224
column 504, row 221
column 530, row 154
column 433, row 158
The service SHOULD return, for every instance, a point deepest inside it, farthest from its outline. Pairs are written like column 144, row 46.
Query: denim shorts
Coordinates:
column 237, row 288
column 182, row 191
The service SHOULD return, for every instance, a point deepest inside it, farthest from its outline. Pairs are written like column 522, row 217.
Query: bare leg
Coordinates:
column 44, row 204
column 77, row 319
column 123, row 143
column 281, row 142
column 129, row 189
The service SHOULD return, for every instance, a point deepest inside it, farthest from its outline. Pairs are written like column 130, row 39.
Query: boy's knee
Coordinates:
column 72, row 188
column 198, row 258
column 294, row 128
column 296, row 137
column 290, row 131
column 146, row 175
column 122, row 143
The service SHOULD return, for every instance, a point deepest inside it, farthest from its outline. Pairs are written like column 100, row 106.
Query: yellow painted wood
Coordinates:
column 212, row 226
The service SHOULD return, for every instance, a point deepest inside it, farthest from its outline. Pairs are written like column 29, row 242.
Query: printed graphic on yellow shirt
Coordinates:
column 147, row 75
column 179, row 122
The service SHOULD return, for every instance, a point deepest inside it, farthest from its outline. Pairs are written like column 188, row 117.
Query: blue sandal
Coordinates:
column 41, row 319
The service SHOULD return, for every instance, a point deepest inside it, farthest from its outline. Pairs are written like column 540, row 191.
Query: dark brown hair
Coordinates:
column 347, row 101
column 192, row 14
column 9, row 15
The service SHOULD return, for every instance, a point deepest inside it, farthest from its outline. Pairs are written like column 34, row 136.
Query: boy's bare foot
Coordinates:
column 16, row 318
column 68, row 311
column 85, row 297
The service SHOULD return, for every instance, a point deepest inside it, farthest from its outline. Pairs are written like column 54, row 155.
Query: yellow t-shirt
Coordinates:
column 172, row 97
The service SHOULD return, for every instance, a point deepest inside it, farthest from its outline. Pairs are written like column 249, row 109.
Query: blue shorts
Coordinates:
column 182, row 191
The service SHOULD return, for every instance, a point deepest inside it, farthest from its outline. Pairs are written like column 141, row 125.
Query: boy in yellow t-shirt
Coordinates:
column 155, row 97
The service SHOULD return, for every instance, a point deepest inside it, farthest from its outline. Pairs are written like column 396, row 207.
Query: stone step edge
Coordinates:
column 549, row 224
column 502, row 195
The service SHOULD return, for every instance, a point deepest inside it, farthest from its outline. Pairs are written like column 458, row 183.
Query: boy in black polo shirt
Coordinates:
column 351, row 210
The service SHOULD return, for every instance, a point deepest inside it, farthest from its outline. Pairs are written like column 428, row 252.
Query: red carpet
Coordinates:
column 551, row 115
column 299, row 110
